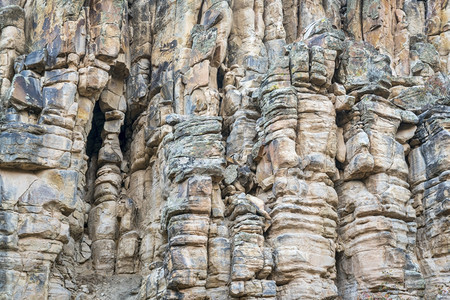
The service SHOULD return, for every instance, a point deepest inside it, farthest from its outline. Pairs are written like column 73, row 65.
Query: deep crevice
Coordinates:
column 93, row 145
column 94, row 139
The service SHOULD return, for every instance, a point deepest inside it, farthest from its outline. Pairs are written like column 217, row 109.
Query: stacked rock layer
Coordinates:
column 224, row 149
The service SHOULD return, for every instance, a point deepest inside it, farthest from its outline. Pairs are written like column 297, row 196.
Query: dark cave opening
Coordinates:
column 94, row 139
column 220, row 78
column 93, row 145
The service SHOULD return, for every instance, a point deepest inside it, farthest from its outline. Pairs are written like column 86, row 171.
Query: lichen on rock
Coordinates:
column 224, row 149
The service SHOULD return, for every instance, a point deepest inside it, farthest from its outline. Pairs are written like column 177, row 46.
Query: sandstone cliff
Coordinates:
column 224, row 149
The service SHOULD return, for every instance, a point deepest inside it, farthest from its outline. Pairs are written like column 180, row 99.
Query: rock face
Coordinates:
column 217, row 149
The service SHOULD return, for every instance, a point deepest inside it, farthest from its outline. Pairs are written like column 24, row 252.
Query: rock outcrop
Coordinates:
column 217, row 149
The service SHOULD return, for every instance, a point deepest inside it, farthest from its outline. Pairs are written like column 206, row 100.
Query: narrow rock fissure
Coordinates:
column 93, row 145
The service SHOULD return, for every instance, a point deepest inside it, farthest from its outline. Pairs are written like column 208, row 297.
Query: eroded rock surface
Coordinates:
column 217, row 149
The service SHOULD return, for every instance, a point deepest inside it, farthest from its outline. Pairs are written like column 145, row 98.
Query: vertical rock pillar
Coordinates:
column 251, row 261
column 375, row 211
column 12, row 43
column 296, row 162
column 103, row 222
column 195, row 161
column 430, row 184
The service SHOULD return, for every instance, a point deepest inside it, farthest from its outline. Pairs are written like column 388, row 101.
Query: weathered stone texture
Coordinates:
column 224, row 149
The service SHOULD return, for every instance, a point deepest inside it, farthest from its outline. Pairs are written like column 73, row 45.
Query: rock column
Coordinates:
column 251, row 261
column 375, row 211
column 12, row 43
column 194, row 166
column 429, row 179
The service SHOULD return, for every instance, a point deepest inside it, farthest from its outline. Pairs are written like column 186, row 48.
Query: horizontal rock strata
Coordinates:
column 217, row 149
